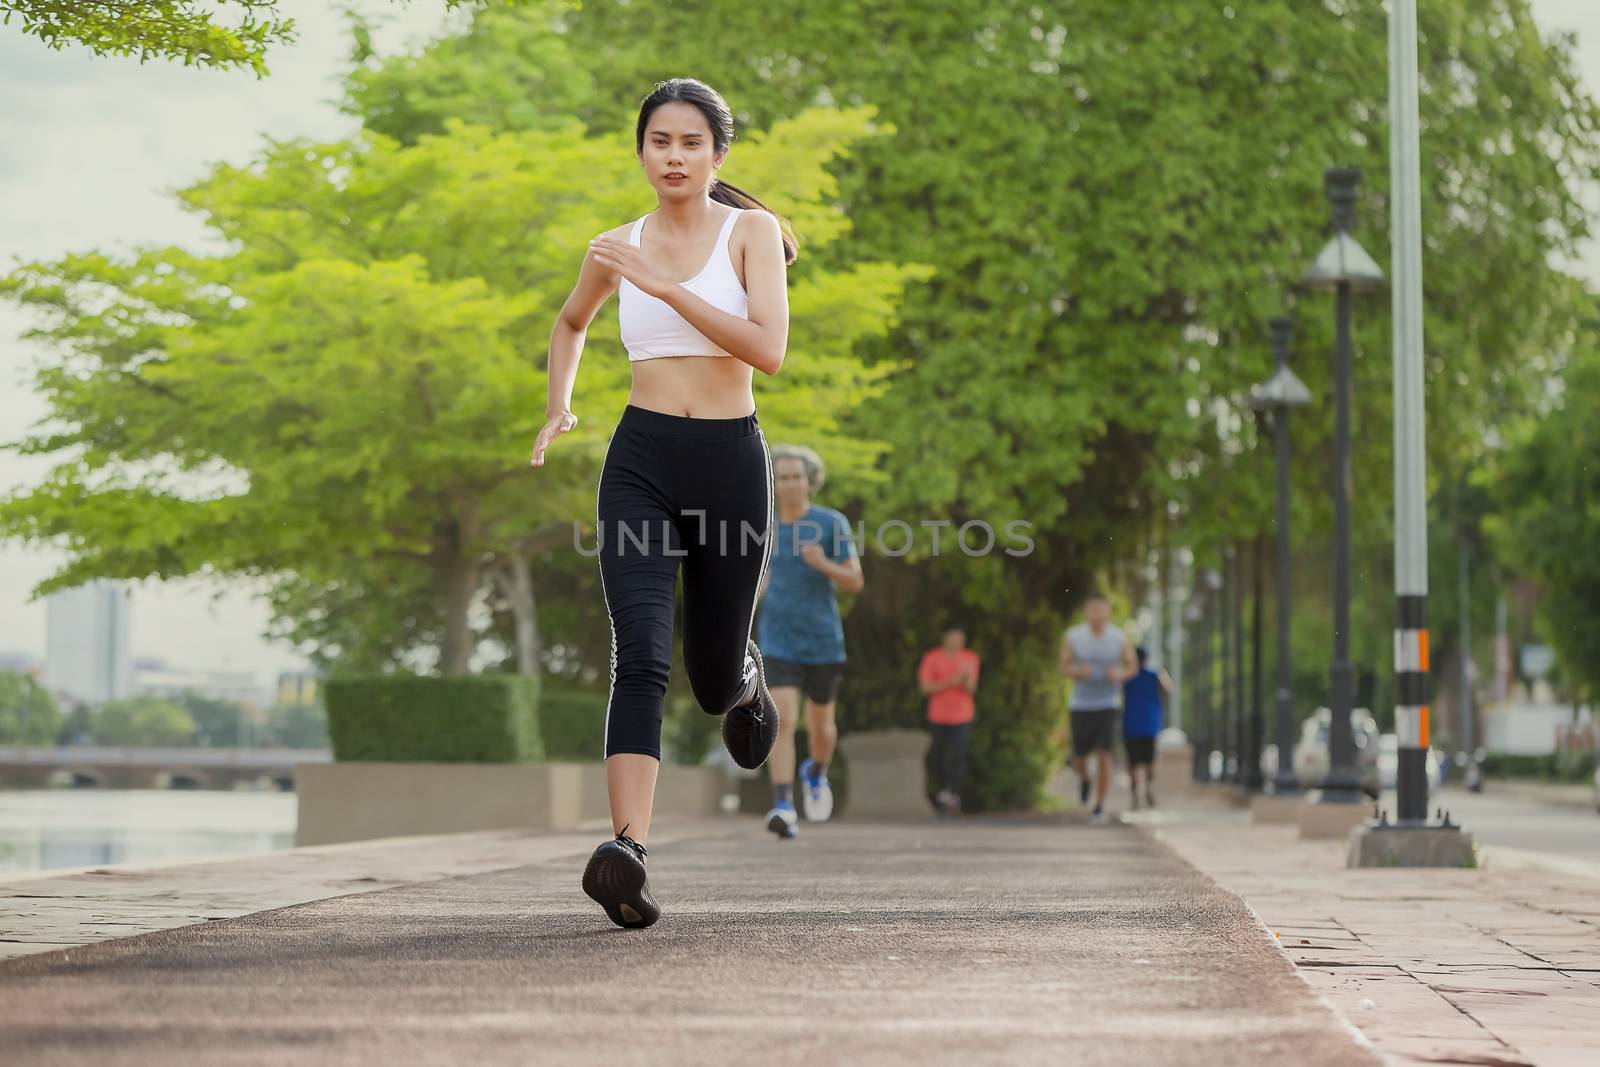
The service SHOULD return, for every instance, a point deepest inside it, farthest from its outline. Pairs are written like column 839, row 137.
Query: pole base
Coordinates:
column 1279, row 808
column 1391, row 845
column 1325, row 819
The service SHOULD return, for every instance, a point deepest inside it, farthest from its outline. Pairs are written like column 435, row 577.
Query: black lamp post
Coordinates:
column 1275, row 398
column 1344, row 266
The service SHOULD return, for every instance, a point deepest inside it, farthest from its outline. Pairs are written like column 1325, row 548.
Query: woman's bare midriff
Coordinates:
column 698, row 387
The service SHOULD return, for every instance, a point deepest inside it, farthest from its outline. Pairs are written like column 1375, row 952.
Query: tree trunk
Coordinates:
column 459, row 573
column 516, row 583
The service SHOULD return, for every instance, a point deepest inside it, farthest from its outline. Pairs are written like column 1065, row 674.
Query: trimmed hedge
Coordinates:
column 477, row 718
column 572, row 721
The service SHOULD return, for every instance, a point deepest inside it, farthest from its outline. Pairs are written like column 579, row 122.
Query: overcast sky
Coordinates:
column 90, row 151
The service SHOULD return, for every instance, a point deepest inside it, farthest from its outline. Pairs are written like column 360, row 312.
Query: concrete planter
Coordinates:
column 360, row 801
column 888, row 774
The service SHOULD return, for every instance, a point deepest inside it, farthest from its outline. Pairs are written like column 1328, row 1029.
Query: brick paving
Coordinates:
column 1494, row 966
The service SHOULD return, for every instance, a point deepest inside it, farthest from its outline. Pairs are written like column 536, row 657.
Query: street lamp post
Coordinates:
column 1345, row 266
column 1277, row 396
column 1225, row 733
column 1239, row 712
column 1252, row 777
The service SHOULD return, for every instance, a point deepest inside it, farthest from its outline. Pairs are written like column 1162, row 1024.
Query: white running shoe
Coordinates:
column 783, row 822
column 818, row 793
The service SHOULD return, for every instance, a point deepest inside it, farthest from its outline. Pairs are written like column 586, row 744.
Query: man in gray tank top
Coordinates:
column 1098, row 658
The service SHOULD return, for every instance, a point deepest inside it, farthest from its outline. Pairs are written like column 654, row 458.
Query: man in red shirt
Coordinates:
column 949, row 676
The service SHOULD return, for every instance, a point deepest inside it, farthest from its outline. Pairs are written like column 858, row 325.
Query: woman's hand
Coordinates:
column 553, row 428
column 618, row 255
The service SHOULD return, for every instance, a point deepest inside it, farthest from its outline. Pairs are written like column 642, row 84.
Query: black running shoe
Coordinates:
column 616, row 879
column 751, row 729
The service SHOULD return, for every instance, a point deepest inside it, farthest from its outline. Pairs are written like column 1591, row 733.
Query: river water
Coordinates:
column 48, row 829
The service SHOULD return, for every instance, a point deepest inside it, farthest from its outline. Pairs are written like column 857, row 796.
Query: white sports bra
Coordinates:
column 652, row 329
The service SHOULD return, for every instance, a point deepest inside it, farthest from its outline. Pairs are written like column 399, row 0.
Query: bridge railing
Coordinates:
column 134, row 756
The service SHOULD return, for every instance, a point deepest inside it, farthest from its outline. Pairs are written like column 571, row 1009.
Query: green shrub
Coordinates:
column 482, row 718
column 572, row 722
column 1564, row 766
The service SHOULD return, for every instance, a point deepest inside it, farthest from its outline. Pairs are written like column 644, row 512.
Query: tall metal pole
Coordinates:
column 1240, row 730
column 1202, row 690
column 1410, row 488
column 1252, row 775
column 1285, row 781
column 1464, row 594
column 1341, row 783
column 1230, row 683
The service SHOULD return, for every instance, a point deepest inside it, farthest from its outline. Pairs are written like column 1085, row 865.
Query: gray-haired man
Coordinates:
column 800, row 635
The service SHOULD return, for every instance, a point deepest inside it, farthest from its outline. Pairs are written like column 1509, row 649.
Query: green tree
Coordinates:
column 166, row 29
column 1547, row 485
column 355, row 382
column 1117, row 196
column 297, row 726
column 146, row 720
column 29, row 714
column 217, row 722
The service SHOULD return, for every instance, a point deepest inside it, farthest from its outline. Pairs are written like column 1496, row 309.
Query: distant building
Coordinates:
column 297, row 689
column 160, row 680
column 86, row 643
column 20, row 663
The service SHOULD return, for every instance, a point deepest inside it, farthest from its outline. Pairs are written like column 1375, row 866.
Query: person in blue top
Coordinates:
column 1143, row 697
column 799, row 633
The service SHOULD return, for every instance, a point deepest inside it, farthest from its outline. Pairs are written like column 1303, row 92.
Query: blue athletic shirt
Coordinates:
column 1141, row 705
column 800, row 615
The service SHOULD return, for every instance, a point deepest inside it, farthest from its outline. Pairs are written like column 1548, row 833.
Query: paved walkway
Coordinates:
column 975, row 942
column 49, row 910
column 1496, row 966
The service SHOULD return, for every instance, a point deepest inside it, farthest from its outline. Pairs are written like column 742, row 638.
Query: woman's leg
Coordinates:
column 631, row 786
column 639, row 556
column 727, row 536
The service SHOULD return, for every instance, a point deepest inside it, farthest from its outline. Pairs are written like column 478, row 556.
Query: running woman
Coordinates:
column 1098, row 658
column 801, row 638
column 703, row 304
column 1143, row 697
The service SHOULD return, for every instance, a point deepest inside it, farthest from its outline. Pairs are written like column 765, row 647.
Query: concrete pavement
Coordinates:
column 978, row 941
column 1499, row 965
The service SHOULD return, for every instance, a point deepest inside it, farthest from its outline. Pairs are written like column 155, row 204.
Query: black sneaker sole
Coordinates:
column 738, row 731
column 778, row 826
column 617, row 881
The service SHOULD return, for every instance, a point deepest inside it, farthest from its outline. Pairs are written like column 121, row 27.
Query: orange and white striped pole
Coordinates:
column 1410, row 459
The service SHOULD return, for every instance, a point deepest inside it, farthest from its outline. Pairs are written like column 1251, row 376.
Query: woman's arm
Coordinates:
column 759, row 340
column 595, row 285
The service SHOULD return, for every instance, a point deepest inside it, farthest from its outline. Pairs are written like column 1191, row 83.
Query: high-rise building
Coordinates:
column 87, row 630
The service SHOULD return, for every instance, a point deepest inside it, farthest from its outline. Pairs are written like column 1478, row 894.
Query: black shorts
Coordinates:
column 818, row 681
column 1093, row 731
column 1140, row 750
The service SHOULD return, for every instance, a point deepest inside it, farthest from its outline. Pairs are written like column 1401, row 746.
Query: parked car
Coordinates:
column 1389, row 764
column 1311, row 751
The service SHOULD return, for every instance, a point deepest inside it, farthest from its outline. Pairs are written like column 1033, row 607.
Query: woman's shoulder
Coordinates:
column 751, row 221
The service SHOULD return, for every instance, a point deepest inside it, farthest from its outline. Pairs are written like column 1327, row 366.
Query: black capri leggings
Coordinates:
column 691, row 491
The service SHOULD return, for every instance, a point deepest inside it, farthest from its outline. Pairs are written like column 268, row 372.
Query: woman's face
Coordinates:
column 678, row 156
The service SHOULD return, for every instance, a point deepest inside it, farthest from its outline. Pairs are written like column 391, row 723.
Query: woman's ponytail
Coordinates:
column 735, row 197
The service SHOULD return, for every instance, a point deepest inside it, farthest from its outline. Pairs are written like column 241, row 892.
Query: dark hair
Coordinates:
column 1094, row 594
column 720, row 119
column 954, row 624
column 1143, row 654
